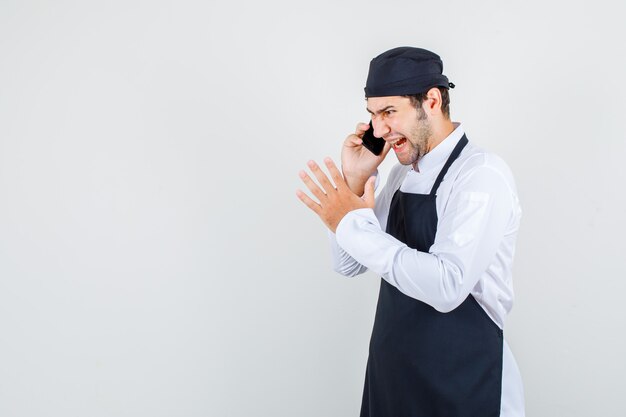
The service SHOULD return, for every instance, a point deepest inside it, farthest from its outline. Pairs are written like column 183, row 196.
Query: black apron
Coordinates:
column 423, row 363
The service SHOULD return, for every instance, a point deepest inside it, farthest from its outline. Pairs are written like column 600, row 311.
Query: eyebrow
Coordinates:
column 384, row 109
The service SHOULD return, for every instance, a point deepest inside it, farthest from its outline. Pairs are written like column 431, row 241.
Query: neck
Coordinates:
column 440, row 131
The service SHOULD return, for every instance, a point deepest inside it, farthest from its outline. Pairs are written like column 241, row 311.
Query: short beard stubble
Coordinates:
column 419, row 138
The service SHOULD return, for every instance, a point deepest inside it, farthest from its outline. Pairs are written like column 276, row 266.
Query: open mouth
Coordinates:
column 399, row 143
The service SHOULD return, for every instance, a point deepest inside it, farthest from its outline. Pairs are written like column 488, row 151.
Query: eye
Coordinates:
column 388, row 113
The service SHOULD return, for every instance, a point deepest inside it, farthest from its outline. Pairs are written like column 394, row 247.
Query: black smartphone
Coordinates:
column 371, row 142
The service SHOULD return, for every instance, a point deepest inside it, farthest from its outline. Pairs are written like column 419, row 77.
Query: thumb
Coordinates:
column 368, row 195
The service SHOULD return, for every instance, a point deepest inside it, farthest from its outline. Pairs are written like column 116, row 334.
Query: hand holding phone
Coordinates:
column 361, row 154
column 372, row 143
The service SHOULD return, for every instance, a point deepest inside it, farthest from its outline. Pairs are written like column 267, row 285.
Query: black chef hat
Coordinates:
column 404, row 71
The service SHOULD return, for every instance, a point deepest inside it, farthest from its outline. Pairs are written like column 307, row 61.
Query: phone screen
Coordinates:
column 371, row 142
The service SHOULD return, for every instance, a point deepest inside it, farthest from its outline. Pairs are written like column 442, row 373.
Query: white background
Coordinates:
column 154, row 260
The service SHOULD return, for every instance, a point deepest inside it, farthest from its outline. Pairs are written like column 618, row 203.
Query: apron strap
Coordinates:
column 455, row 154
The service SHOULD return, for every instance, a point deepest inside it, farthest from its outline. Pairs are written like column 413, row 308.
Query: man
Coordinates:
column 441, row 234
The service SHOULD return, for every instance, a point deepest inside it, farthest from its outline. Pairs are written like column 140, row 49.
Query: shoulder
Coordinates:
column 475, row 161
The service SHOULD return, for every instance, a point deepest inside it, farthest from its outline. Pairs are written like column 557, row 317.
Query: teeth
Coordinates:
column 397, row 142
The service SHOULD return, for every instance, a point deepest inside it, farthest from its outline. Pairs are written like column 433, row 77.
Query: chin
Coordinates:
column 407, row 159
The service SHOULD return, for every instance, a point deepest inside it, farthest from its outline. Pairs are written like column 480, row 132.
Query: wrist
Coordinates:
column 358, row 175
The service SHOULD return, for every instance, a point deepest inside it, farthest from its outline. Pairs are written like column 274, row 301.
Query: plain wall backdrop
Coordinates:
column 154, row 260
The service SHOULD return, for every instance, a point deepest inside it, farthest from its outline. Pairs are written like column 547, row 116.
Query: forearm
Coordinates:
column 435, row 280
column 343, row 263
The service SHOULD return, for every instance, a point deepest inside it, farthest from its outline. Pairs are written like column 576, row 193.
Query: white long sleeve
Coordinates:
column 468, row 236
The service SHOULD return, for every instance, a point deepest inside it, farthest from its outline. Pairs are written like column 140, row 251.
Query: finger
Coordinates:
column 361, row 128
column 308, row 201
column 321, row 177
column 335, row 174
column 386, row 149
column 368, row 195
column 353, row 141
column 312, row 186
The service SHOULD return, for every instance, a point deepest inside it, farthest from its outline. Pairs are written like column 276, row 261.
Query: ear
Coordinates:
column 432, row 104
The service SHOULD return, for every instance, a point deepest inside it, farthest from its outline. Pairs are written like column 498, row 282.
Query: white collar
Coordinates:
column 440, row 153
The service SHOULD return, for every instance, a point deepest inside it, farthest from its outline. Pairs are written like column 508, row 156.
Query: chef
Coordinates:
column 441, row 234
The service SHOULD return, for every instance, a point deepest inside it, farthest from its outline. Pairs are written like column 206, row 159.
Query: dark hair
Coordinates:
column 418, row 99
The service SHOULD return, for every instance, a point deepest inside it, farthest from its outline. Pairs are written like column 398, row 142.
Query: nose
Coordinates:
column 381, row 129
